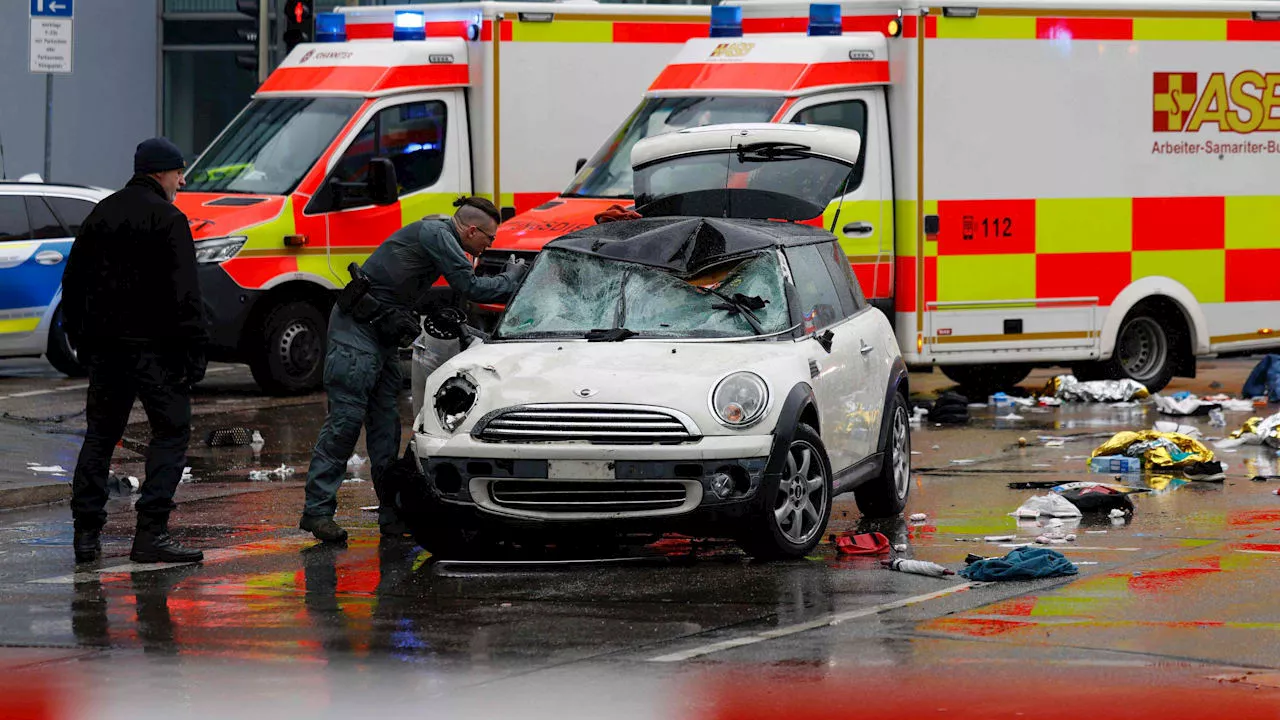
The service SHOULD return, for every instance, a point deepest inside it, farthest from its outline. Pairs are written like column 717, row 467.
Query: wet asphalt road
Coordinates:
column 1172, row 614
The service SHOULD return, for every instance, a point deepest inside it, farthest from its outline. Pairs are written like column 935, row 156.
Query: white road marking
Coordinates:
column 821, row 622
column 82, row 386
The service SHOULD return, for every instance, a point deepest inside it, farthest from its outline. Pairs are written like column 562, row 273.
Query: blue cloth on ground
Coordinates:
column 1265, row 379
column 1024, row 563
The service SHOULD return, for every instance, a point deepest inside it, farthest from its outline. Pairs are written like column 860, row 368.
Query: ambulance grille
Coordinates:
column 593, row 423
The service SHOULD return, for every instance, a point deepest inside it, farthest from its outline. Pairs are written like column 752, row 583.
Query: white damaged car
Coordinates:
column 711, row 368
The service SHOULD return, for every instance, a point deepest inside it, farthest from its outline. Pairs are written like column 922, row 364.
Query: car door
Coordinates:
column 33, row 251
column 417, row 133
column 862, row 218
column 836, row 375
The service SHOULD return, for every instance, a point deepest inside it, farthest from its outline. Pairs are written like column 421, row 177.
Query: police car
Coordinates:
column 38, row 222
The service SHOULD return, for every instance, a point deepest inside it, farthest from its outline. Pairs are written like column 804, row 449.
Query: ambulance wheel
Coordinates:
column 1145, row 350
column 985, row 379
column 289, row 357
column 60, row 353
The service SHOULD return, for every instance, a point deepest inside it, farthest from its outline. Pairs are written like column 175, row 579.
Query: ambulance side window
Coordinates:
column 847, row 114
column 13, row 219
column 412, row 136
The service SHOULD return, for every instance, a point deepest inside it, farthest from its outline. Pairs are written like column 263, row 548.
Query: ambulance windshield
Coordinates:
column 271, row 145
column 608, row 174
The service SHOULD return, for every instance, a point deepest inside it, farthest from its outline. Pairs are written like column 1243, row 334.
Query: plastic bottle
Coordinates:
column 1216, row 418
column 917, row 567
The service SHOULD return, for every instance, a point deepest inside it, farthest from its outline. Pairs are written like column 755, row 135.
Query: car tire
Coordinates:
column 1146, row 350
column 60, row 352
column 289, row 355
column 981, row 380
column 886, row 495
column 787, row 524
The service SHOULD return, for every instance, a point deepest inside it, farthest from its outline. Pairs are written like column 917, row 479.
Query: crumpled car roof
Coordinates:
column 685, row 245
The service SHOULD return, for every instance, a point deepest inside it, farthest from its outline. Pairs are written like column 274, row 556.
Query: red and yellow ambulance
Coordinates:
column 1093, row 184
column 393, row 114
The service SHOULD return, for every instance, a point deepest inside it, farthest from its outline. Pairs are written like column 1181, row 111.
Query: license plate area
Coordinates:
column 580, row 470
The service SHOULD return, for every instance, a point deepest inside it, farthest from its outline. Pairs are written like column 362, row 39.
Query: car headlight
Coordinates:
column 454, row 401
column 216, row 250
column 740, row 399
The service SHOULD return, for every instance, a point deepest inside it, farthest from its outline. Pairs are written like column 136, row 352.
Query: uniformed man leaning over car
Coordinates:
column 372, row 320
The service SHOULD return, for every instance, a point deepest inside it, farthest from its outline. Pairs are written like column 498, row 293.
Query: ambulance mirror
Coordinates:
column 383, row 189
column 577, row 167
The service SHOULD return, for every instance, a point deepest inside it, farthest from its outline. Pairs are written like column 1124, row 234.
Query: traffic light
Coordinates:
column 299, row 23
column 251, row 32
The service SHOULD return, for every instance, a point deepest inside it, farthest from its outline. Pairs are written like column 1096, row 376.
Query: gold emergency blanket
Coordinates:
column 1157, row 449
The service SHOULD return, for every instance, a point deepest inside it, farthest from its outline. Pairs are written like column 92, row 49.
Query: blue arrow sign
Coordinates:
column 52, row 8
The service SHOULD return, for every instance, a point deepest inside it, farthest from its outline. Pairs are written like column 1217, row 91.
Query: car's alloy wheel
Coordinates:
column 800, row 508
column 900, row 446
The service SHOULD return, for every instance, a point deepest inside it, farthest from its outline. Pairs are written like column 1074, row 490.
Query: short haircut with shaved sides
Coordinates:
column 476, row 211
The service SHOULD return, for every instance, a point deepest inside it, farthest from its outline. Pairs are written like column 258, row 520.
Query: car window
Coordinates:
column 412, row 136
column 820, row 304
column 846, row 282
column 44, row 225
column 847, row 114
column 71, row 211
column 13, row 219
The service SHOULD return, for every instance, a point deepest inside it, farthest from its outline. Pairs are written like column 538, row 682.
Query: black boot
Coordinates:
column 152, row 543
column 88, row 544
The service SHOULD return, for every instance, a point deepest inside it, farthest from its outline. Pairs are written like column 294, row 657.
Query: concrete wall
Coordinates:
column 100, row 112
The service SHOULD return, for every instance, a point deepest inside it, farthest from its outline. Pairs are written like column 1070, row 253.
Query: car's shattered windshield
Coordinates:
column 571, row 294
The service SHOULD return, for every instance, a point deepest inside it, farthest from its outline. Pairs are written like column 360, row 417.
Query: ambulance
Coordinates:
column 386, row 119
column 1091, row 184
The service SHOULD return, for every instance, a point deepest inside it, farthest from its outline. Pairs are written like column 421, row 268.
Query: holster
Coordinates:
column 355, row 300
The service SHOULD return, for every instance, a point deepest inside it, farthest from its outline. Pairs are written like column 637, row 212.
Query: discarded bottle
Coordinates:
column 917, row 567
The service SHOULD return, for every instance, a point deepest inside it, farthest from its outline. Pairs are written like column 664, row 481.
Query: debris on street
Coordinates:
column 257, row 442
column 918, row 517
column 1052, row 505
column 1157, row 449
column 872, row 543
column 1255, row 431
column 1264, row 379
column 1068, row 389
column 1021, row 563
column 917, row 567
column 355, row 461
column 51, row 469
column 284, row 472
column 122, row 484
column 230, row 437
column 1090, row 497
column 950, row 409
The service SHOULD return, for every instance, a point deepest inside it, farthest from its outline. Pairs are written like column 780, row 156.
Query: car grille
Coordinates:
column 600, row 424
column 492, row 262
column 558, row 496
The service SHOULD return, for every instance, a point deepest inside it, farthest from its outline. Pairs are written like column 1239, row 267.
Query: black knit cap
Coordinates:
column 157, row 155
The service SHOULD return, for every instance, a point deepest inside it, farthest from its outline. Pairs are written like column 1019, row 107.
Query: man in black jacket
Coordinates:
column 132, row 305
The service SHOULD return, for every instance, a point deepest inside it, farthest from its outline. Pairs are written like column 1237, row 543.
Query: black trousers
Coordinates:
column 117, row 377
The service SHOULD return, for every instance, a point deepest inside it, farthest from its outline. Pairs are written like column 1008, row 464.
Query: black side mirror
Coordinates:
column 577, row 167
column 825, row 340
column 383, row 189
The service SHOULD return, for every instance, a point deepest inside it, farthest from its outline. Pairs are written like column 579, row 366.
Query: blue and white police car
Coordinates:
column 38, row 223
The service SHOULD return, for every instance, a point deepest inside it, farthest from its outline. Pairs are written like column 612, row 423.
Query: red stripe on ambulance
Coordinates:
column 1251, row 277
column 643, row 32
column 1073, row 275
column 786, row 77
column 986, row 227
column 1084, row 28
column 363, row 79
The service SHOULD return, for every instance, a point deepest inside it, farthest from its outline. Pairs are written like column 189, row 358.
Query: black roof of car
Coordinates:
column 686, row 245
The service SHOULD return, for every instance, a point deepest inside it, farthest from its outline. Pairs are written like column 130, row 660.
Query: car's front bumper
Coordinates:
column 228, row 307
column 628, row 487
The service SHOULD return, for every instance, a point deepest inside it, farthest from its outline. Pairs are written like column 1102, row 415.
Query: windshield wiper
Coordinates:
column 617, row 334
column 740, row 304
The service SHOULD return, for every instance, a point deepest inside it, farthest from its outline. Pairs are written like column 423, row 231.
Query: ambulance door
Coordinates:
column 423, row 135
column 862, row 219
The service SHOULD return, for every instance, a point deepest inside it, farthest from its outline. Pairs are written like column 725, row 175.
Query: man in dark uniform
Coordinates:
column 133, row 309
column 370, row 323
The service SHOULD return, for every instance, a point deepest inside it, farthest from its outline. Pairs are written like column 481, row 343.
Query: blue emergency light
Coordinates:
column 726, row 21
column 824, row 19
column 409, row 25
column 331, row 27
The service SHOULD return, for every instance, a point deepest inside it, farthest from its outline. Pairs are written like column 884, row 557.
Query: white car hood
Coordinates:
column 672, row 375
